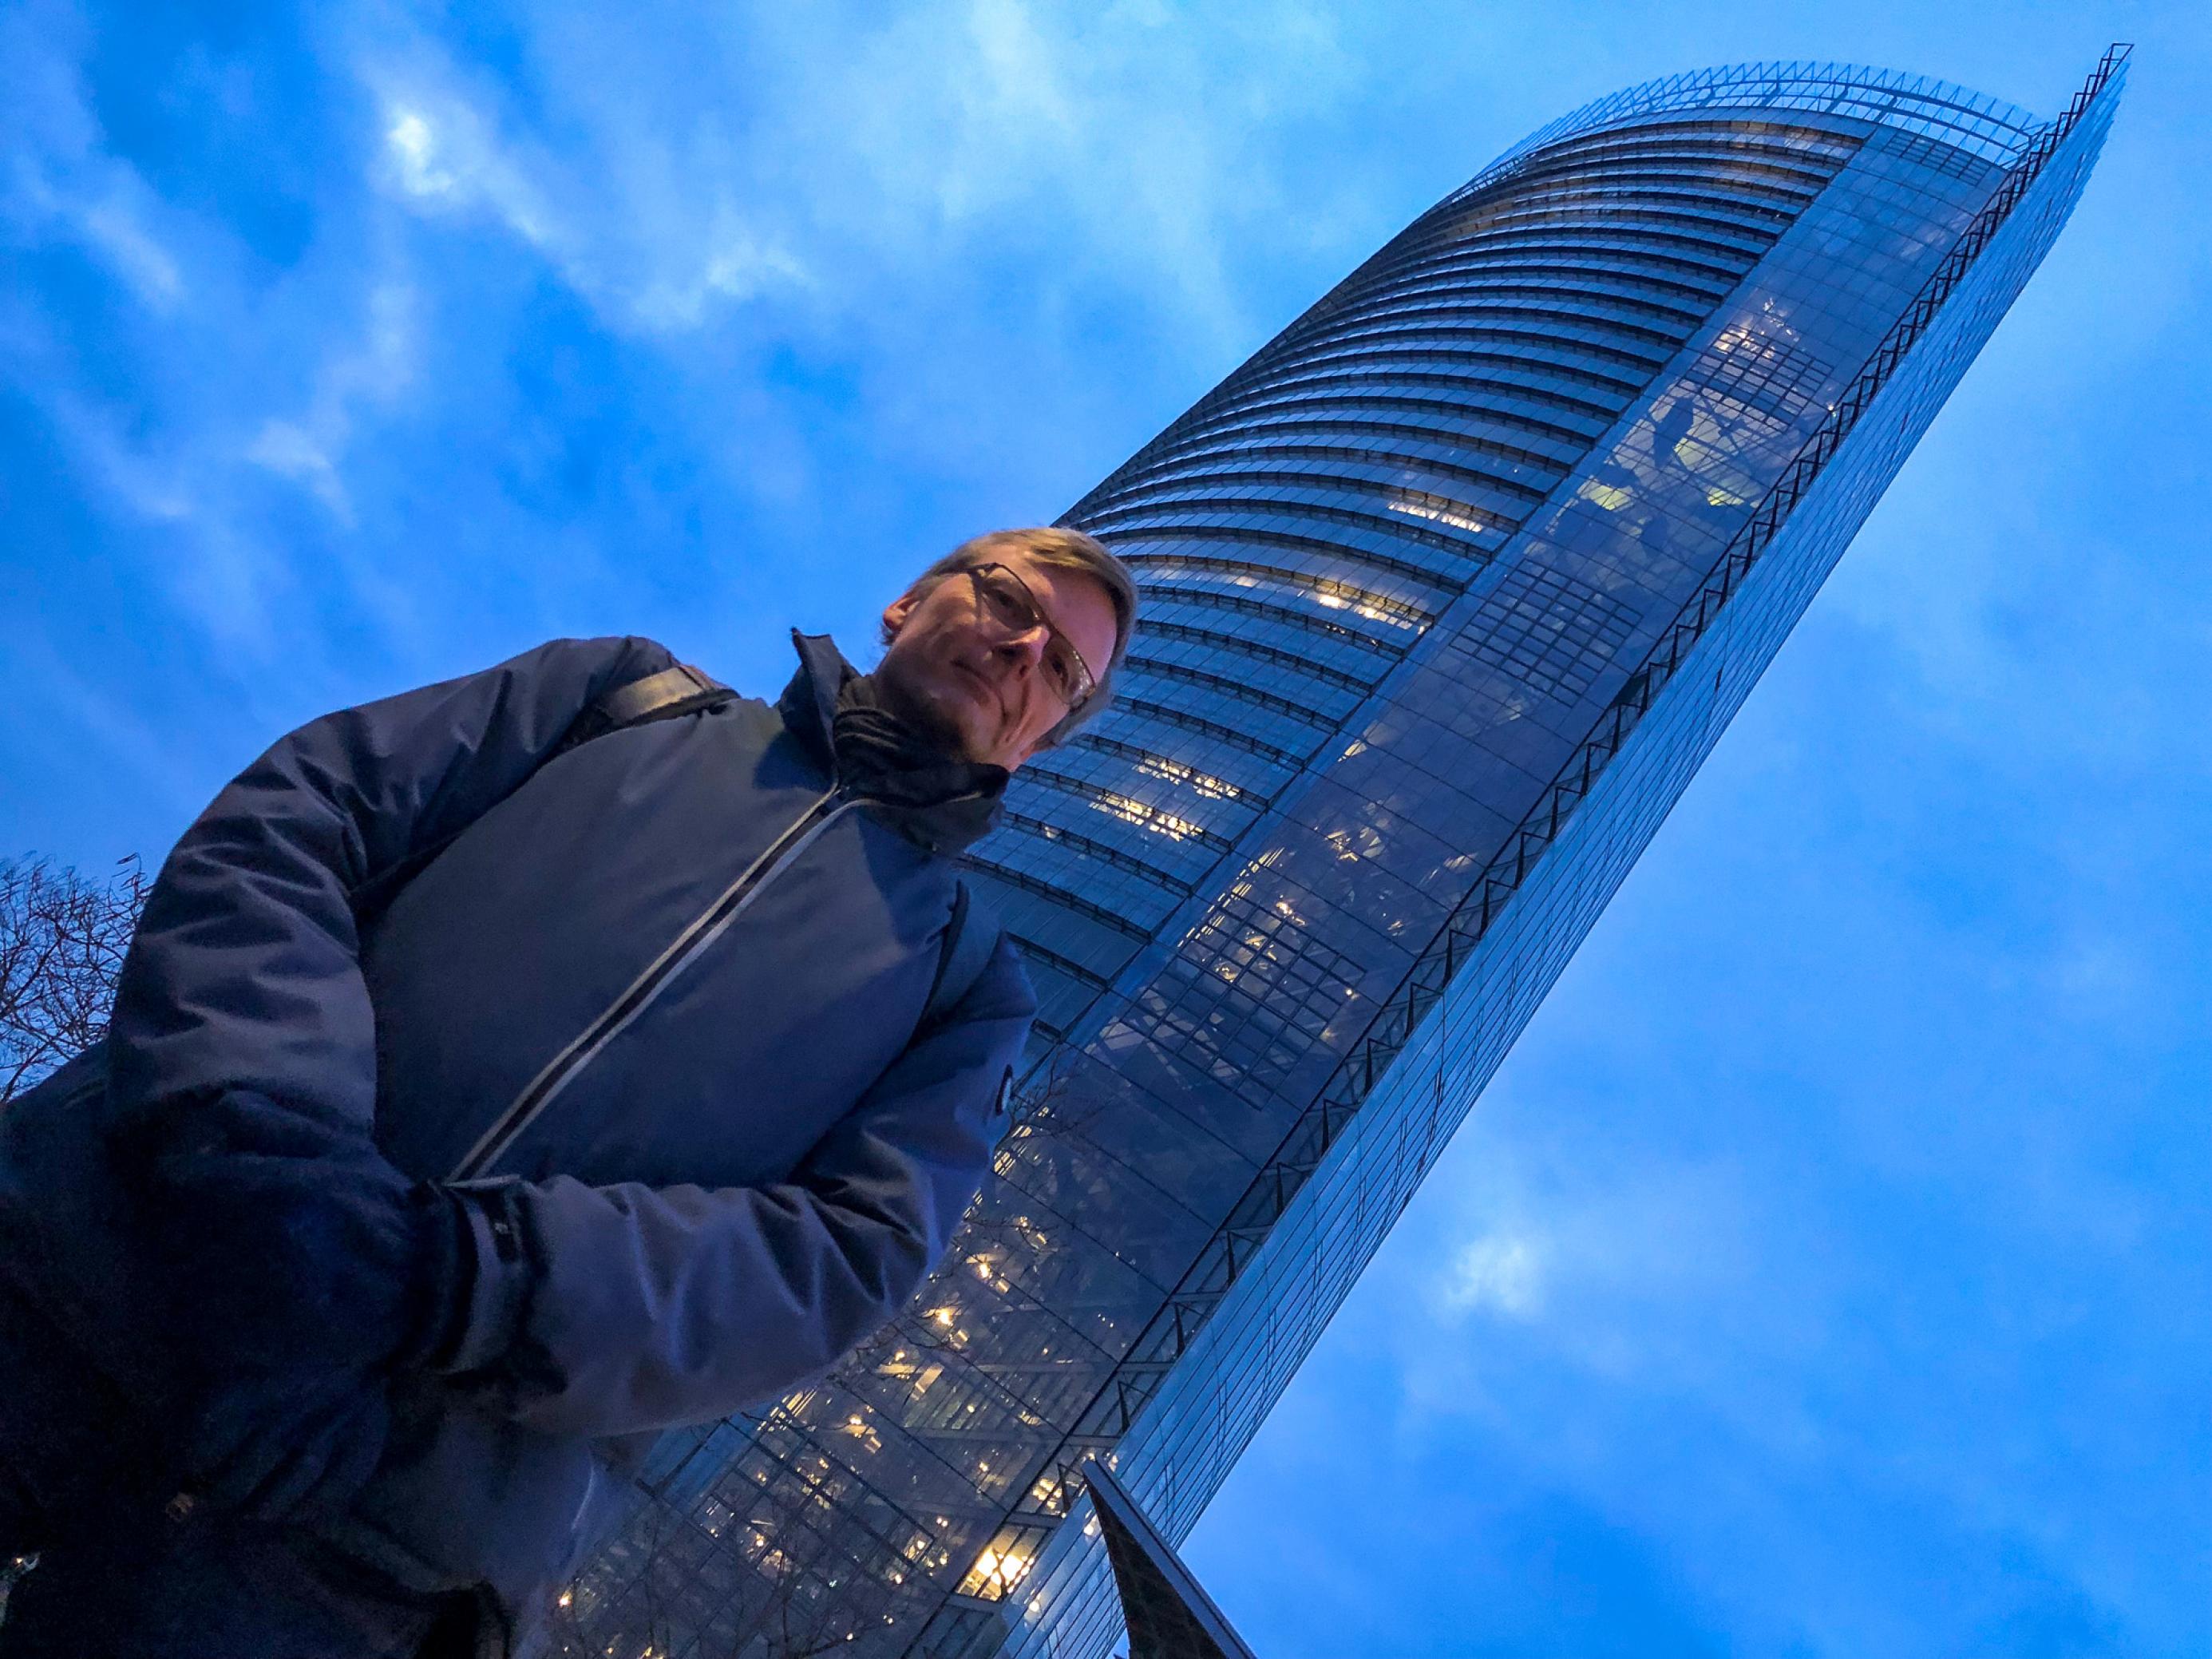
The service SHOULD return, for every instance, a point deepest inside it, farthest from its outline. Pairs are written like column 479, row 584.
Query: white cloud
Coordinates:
column 61, row 182
column 1599, row 1262
column 289, row 450
column 644, row 250
column 373, row 369
column 740, row 268
column 101, row 206
column 440, row 151
column 1502, row 1272
column 132, row 250
column 669, row 181
column 156, row 490
column 411, row 144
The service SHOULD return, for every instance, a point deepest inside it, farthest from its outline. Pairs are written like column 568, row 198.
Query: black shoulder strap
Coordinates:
column 677, row 690
column 660, row 696
column 970, row 939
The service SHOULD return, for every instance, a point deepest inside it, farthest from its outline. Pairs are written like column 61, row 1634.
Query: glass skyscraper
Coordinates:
column 1448, row 590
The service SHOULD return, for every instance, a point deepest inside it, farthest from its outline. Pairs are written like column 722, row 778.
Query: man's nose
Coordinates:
column 1028, row 644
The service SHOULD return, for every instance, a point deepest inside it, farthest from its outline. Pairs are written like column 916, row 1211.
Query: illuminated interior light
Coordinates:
column 1458, row 519
column 1204, row 783
column 1145, row 817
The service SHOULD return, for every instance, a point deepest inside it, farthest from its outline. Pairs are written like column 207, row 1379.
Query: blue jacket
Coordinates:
column 403, row 1215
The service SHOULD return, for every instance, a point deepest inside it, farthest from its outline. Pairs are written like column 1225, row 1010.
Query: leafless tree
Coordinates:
column 62, row 940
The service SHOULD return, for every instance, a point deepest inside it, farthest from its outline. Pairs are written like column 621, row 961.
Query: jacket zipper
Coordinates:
column 689, row 945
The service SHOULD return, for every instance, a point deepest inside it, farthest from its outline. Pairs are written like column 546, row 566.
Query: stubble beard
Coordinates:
column 927, row 716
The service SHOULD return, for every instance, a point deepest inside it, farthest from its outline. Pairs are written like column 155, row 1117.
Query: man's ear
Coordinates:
column 897, row 613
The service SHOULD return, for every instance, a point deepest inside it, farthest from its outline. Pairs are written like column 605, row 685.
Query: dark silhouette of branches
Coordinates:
column 62, row 940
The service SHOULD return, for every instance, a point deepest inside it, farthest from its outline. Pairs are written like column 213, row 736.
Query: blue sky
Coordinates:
column 1830, row 1270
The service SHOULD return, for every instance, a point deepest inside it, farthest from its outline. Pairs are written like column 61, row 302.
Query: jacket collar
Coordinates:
column 808, row 703
column 941, row 807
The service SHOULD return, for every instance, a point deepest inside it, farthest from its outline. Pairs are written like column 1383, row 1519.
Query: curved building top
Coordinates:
column 1991, row 128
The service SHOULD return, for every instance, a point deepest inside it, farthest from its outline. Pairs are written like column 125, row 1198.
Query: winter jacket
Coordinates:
column 474, row 1108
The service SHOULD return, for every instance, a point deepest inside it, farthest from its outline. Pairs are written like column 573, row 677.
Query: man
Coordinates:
column 488, row 1090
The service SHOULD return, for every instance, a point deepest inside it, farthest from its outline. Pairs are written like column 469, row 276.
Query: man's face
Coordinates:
column 956, row 665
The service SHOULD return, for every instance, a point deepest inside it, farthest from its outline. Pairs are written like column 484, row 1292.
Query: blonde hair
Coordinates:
column 1061, row 549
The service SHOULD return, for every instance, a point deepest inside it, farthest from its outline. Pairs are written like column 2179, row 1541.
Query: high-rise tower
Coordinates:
column 1448, row 590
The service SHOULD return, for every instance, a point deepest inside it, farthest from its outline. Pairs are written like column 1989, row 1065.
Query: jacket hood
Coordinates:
column 939, row 801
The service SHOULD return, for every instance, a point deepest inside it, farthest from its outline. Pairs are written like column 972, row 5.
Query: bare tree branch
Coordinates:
column 63, row 936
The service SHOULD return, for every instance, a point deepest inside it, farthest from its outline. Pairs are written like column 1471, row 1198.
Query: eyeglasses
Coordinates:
column 1005, row 598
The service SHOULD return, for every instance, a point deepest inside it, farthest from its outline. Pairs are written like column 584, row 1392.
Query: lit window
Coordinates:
column 1144, row 816
column 1430, row 506
column 999, row 1568
column 1204, row 783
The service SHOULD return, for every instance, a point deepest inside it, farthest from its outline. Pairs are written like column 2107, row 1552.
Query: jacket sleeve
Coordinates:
column 627, row 1307
column 265, row 1234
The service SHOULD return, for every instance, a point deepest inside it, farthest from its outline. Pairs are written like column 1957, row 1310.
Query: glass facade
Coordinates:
column 1448, row 591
